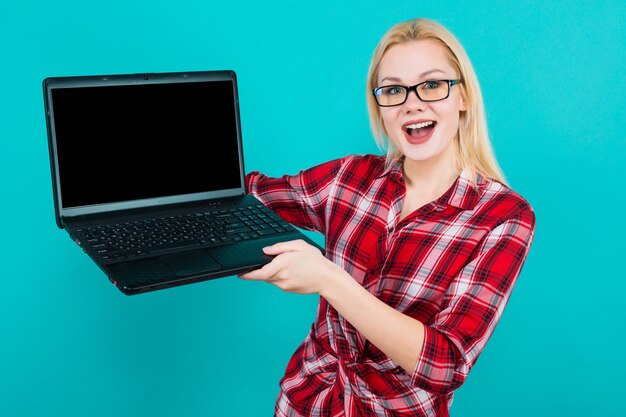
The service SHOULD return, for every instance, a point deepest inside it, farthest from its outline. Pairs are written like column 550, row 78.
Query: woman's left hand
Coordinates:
column 298, row 267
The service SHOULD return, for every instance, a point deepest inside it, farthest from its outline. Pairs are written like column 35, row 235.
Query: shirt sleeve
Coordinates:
column 475, row 301
column 299, row 199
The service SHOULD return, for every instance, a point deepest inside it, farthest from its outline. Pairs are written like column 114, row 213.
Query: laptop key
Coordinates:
column 236, row 224
column 238, row 230
column 248, row 236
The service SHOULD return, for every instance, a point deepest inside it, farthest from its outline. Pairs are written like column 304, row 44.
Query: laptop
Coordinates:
column 148, row 177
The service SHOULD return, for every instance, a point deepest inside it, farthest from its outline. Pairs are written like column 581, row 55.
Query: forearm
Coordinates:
column 397, row 335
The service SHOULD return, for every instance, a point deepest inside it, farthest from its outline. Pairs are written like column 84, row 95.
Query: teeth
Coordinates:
column 419, row 125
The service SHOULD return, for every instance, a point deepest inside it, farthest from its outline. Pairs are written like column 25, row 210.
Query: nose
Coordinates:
column 413, row 103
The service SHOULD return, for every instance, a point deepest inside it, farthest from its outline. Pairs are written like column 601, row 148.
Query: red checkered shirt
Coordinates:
column 451, row 265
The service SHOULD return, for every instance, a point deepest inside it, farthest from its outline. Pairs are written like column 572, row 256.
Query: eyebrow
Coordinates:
column 422, row 75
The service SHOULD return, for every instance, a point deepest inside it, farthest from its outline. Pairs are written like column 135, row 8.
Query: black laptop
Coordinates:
column 148, row 177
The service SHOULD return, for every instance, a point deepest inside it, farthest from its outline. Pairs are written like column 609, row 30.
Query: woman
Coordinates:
column 423, row 246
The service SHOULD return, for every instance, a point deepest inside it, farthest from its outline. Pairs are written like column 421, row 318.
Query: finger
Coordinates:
column 282, row 247
column 264, row 273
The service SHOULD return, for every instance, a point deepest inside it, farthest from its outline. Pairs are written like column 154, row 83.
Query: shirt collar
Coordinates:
column 393, row 169
column 462, row 194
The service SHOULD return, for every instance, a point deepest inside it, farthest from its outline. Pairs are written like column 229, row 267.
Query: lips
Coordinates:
column 419, row 131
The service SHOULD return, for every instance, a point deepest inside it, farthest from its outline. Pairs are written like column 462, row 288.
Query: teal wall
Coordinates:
column 553, row 80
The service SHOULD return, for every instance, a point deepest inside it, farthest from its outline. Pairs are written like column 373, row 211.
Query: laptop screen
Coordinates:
column 122, row 143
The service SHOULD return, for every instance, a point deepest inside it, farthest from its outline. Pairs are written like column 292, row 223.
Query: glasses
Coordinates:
column 432, row 90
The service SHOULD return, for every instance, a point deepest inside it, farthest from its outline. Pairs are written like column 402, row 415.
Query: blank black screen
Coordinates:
column 122, row 143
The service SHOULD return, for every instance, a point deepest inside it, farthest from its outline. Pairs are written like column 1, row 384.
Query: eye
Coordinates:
column 431, row 85
column 392, row 90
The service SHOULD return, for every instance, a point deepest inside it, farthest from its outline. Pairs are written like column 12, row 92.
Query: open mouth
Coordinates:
column 420, row 130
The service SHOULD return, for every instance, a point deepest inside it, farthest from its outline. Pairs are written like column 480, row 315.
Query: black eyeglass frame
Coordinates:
column 414, row 88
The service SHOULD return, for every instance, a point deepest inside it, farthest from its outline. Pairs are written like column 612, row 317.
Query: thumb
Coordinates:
column 281, row 247
column 270, row 250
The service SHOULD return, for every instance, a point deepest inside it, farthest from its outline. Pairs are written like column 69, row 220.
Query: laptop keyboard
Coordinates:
column 151, row 236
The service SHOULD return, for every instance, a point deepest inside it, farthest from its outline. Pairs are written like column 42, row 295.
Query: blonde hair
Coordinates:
column 473, row 147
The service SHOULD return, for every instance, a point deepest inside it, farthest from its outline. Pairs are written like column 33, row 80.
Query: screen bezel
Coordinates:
column 50, row 83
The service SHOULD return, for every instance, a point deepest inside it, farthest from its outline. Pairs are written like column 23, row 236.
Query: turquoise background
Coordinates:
column 553, row 80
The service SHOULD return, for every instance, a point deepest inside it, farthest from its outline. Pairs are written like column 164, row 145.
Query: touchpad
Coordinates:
column 190, row 263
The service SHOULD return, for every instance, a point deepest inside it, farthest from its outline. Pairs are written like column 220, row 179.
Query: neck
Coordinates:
column 433, row 176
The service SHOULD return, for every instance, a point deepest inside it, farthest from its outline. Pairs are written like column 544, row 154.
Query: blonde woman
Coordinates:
column 423, row 244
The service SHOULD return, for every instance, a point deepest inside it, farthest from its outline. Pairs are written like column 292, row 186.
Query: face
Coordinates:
column 409, row 64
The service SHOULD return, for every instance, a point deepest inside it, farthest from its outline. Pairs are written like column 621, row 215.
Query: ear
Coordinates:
column 463, row 103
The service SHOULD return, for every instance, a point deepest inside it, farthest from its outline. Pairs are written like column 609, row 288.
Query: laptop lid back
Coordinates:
column 132, row 141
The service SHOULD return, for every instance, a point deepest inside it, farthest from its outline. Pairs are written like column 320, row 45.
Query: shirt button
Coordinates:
column 341, row 397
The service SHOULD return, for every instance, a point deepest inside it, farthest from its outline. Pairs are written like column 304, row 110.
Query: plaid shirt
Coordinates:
column 451, row 265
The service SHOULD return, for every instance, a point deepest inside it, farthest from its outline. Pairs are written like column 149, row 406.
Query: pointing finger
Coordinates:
column 264, row 273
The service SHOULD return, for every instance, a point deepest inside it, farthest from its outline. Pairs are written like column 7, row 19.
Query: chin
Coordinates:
column 422, row 152
column 419, row 156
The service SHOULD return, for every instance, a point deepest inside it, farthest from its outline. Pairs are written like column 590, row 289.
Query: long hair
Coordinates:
column 473, row 150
